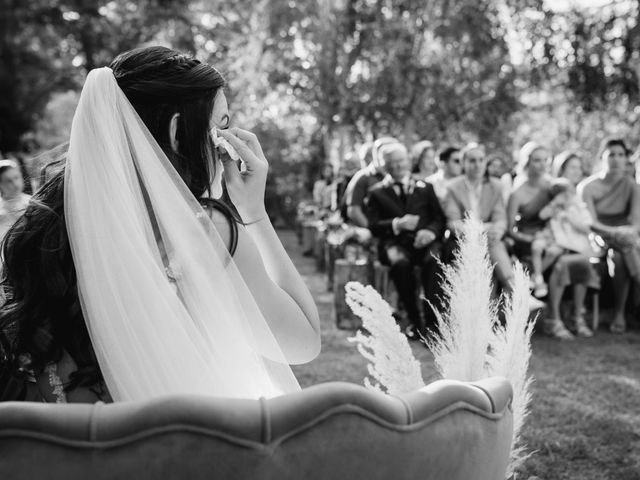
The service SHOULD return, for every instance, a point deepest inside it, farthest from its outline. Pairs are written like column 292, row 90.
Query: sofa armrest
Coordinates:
column 491, row 395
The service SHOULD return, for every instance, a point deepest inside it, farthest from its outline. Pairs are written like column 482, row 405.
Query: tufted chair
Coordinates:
column 447, row 430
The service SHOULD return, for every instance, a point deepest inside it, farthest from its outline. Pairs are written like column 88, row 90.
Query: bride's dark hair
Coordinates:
column 41, row 317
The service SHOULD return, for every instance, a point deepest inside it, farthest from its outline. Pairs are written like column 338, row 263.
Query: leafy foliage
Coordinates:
column 46, row 47
column 315, row 78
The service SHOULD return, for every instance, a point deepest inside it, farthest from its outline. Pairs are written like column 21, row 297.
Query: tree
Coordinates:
column 45, row 47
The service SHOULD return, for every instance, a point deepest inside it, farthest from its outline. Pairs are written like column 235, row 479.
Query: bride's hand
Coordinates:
column 246, row 188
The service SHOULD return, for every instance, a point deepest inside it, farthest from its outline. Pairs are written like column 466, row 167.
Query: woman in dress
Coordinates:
column 127, row 278
column 613, row 198
column 569, row 222
column 14, row 201
column 534, row 191
column 531, row 194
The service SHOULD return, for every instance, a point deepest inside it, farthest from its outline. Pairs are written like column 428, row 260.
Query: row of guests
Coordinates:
column 566, row 222
column 543, row 221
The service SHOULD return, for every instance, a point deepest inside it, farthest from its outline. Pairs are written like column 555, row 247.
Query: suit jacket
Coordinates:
column 491, row 206
column 385, row 205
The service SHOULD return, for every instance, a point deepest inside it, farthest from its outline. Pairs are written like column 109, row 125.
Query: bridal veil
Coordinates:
column 166, row 308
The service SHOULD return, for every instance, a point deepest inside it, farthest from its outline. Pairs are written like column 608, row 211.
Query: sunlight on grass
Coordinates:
column 585, row 414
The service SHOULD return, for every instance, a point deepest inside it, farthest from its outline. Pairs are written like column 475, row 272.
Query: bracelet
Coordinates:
column 254, row 221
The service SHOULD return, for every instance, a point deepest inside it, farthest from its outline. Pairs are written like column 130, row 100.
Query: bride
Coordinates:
column 127, row 278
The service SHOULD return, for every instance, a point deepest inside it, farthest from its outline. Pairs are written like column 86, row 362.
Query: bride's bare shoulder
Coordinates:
column 223, row 220
column 592, row 185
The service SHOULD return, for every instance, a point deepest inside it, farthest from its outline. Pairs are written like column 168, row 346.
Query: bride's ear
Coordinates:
column 173, row 132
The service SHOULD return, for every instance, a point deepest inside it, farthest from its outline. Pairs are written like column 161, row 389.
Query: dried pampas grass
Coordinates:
column 392, row 364
column 469, row 314
column 510, row 351
column 472, row 344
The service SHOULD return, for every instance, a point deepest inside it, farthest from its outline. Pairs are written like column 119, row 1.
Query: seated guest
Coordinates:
column 423, row 160
column 496, row 165
column 613, row 199
column 323, row 188
column 348, row 168
column 449, row 166
column 531, row 193
column 528, row 211
column 14, row 201
column 357, row 192
column 405, row 215
column 569, row 224
column 476, row 195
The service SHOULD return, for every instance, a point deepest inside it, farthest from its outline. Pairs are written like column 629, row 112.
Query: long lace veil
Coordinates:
column 166, row 308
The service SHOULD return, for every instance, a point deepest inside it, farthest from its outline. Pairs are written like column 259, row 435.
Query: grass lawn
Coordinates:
column 585, row 419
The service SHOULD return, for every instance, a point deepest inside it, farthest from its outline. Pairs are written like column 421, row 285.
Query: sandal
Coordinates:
column 581, row 327
column 554, row 327
column 617, row 328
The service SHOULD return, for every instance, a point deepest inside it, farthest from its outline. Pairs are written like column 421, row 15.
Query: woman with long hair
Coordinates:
column 127, row 277
column 613, row 199
column 530, row 207
column 569, row 223
column 530, row 195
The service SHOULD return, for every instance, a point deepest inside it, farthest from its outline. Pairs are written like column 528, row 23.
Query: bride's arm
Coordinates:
column 269, row 273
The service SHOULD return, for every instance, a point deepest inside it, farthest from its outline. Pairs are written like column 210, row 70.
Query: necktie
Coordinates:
column 400, row 190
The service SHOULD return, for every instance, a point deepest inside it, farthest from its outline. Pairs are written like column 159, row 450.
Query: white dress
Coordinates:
column 11, row 209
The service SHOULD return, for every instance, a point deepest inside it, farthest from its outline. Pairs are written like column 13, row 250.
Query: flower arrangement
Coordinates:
column 472, row 343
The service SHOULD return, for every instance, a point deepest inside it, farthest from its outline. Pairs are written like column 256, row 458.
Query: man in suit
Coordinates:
column 357, row 192
column 406, row 217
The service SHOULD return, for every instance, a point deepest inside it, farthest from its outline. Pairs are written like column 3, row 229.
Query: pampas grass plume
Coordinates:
column 469, row 315
column 510, row 353
column 392, row 364
column 471, row 345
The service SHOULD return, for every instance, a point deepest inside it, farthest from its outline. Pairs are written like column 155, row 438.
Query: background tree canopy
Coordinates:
column 316, row 78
